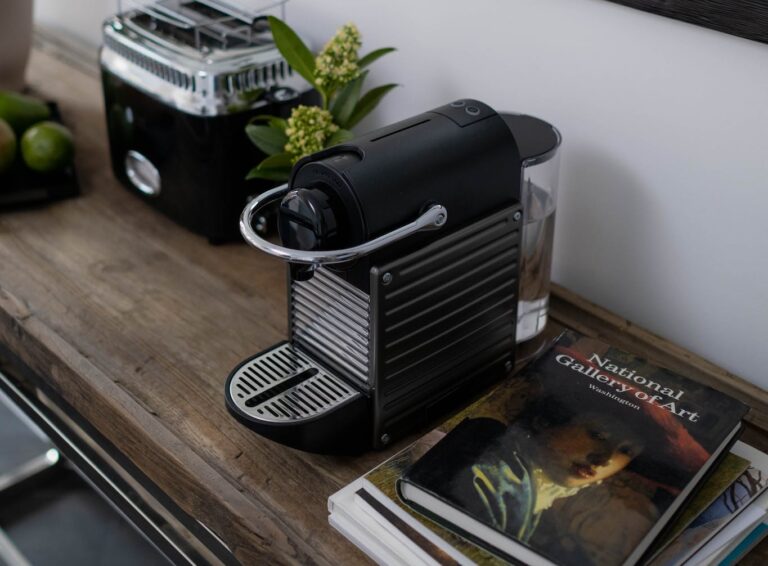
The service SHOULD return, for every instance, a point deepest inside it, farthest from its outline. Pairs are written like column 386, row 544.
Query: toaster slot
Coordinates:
column 203, row 24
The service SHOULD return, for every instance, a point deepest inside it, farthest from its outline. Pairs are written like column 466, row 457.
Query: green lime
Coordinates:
column 7, row 146
column 21, row 111
column 47, row 147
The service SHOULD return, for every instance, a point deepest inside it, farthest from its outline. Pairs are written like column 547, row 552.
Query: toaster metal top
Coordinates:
column 204, row 57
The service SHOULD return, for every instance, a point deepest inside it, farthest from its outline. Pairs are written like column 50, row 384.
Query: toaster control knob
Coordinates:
column 142, row 173
column 306, row 220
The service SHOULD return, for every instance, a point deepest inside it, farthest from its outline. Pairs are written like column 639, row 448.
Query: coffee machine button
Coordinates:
column 472, row 110
column 458, row 103
column 142, row 173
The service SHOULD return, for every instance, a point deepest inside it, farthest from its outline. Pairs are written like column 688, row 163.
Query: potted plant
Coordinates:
column 338, row 73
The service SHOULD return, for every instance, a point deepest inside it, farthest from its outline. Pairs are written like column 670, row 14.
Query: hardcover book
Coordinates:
column 582, row 459
column 728, row 471
column 369, row 512
column 739, row 495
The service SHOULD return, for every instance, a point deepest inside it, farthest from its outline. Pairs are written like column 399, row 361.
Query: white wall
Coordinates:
column 80, row 18
column 664, row 182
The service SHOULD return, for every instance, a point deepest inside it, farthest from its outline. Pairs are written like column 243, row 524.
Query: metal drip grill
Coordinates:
column 282, row 385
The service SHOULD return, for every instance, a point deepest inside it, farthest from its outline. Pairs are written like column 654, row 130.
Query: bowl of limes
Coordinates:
column 36, row 151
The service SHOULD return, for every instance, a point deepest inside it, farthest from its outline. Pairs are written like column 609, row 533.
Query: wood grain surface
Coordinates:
column 136, row 323
column 744, row 18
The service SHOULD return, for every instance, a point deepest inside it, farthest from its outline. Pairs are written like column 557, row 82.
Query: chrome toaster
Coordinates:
column 181, row 80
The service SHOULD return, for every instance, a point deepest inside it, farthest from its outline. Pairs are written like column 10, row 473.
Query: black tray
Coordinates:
column 21, row 187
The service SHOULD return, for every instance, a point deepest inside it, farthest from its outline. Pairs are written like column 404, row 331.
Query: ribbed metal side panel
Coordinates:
column 449, row 310
column 330, row 319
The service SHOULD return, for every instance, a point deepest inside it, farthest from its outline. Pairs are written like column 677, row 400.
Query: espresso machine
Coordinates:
column 403, row 252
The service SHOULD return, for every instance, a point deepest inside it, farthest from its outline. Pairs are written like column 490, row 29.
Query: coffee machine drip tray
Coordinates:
column 282, row 385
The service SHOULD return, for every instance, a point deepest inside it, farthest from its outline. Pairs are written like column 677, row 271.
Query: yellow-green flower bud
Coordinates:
column 308, row 129
column 337, row 64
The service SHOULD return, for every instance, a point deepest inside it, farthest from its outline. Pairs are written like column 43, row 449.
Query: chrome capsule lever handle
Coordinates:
column 433, row 218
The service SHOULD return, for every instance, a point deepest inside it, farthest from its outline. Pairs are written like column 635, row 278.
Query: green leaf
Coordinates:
column 367, row 103
column 275, row 167
column 296, row 53
column 276, row 161
column 270, row 174
column 245, row 100
column 345, row 102
column 339, row 136
column 251, row 96
column 273, row 121
column 268, row 139
column 373, row 55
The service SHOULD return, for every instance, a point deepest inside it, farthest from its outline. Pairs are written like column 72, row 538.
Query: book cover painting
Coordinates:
column 580, row 457
column 383, row 479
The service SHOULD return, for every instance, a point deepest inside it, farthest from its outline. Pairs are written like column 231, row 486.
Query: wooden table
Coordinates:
column 116, row 318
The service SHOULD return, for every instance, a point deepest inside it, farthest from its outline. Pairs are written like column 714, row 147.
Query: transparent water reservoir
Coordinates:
column 539, row 143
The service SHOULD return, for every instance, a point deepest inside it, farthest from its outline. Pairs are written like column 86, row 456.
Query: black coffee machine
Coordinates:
column 403, row 251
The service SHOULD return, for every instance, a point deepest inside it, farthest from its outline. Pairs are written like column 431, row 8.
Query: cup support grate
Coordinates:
column 283, row 385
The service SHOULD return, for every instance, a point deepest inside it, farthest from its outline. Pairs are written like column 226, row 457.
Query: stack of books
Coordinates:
column 589, row 456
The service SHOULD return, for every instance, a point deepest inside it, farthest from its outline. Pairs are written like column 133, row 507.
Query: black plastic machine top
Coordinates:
column 461, row 155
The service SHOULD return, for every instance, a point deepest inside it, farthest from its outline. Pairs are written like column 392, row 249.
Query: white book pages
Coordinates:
column 366, row 533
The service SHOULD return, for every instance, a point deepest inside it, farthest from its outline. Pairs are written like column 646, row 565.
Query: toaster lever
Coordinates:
column 433, row 218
